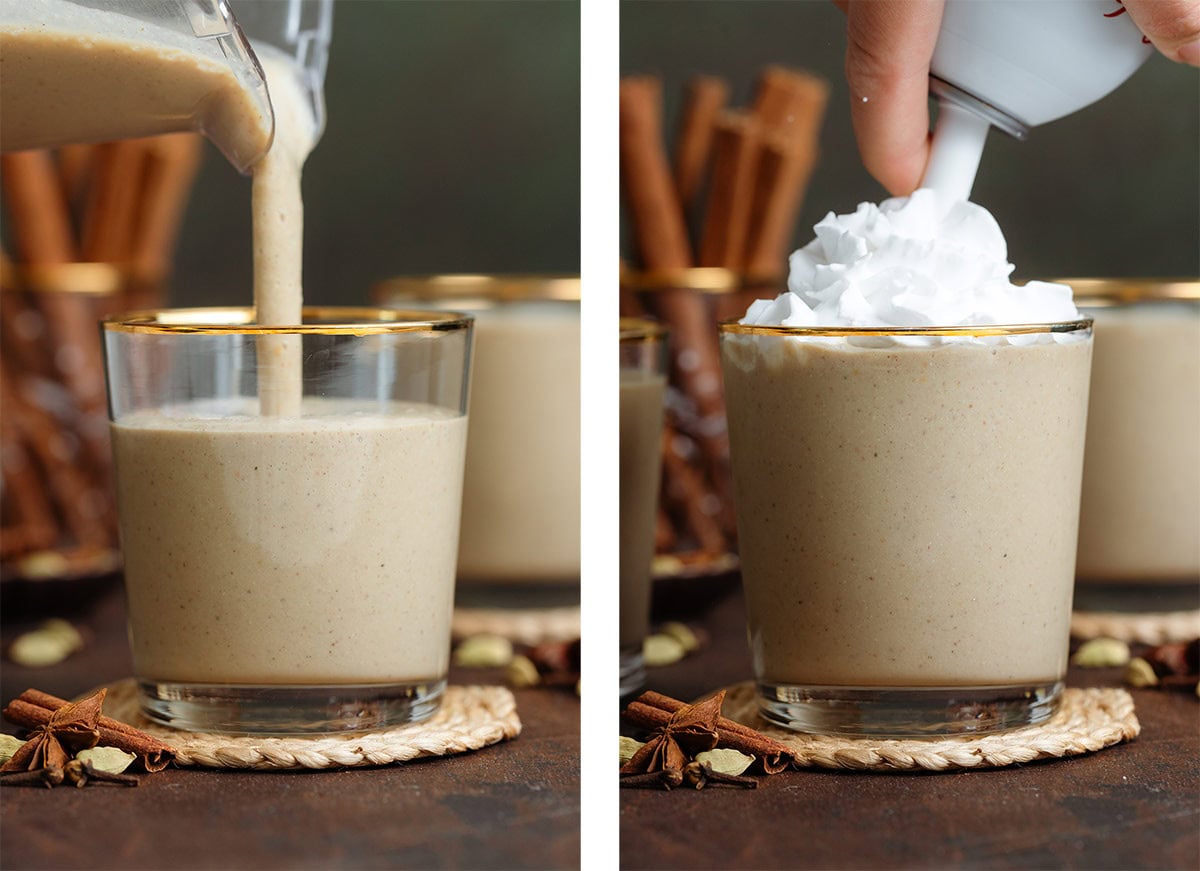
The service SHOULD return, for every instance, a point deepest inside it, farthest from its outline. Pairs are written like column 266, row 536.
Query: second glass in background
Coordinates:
column 1139, row 526
column 643, row 383
column 521, row 496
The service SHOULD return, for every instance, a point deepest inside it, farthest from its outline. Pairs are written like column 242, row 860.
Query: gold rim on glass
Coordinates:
column 732, row 326
column 93, row 279
column 1096, row 292
column 318, row 320
column 713, row 280
column 485, row 288
column 641, row 330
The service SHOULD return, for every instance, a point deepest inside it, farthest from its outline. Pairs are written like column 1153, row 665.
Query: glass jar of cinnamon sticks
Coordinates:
column 696, row 532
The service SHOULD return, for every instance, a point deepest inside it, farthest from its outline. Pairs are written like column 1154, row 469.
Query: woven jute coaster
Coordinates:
column 470, row 717
column 524, row 626
column 1148, row 628
column 1087, row 720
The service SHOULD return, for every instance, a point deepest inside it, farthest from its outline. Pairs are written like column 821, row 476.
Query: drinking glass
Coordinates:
column 291, row 572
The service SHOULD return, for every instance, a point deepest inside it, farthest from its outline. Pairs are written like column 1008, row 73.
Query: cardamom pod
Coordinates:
column 1101, row 653
column 523, row 673
column 683, row 634
column 629, row 747
column 659, row 650
column 113, row 760
column 49, row 644
column 484, row 651
column 1140, row 673
column 726, row 760
column 9, row 744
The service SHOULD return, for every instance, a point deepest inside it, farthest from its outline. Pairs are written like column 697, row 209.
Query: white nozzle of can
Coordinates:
column 958, row 141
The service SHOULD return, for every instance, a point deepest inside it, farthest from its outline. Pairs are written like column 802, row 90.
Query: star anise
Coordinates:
column 70, row 729
column 691, row 730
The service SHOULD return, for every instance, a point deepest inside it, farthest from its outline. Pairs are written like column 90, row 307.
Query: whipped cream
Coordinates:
column 909, row 262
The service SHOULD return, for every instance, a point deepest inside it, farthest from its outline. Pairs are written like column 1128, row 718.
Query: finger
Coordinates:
column 1172, row 25
column 889, row 45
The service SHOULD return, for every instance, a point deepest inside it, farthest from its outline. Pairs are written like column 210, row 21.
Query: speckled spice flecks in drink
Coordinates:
column 907, row 515
column 298, row 551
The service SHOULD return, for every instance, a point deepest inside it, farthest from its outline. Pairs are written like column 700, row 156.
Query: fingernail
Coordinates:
column 1190, row 53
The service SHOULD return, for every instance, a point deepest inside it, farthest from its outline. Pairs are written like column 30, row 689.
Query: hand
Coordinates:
column 888, row 48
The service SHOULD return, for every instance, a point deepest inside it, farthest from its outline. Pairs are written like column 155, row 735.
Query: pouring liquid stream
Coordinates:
column 278, row 218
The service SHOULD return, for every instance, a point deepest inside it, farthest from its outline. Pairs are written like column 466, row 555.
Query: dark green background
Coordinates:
column 1113, row 190
column 452, row 145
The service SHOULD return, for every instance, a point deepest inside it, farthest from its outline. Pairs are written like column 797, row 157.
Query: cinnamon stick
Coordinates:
column 706, row 97
column 74, row 171
column 42, row 225
column 33, row 708
column 696, row 370
column 29, row 519
column 781, row 94
column 649, row 191
column 169, row 170
column 653, row 710
column 113, row 201
column 662, row 238
column 727, row 221
column 80, row 504
column 789, row 106
column 685, row 486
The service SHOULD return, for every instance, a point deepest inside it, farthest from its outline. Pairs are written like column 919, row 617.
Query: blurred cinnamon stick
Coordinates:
column 649, row 190
column 74, row 496
column 168, row 173
column 688, row 492
column 42, row 226
column 727, row 220
column 28, row 519
column 113, row 201
column 790, row 106
column 706, row 97
column 74, row 171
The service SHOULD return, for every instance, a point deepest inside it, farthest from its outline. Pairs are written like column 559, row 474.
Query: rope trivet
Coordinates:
column 469, row 717
column 524, row 626
column 1087, row 720
column 1148, row 628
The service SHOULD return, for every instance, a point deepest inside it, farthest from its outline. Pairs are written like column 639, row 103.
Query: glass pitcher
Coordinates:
column 152, row 67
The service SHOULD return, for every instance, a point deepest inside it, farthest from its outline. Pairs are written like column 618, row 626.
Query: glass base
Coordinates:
column 1137, row 596
column 907, row 713
column 633, row 670
column 288, row 710
column 516, row 596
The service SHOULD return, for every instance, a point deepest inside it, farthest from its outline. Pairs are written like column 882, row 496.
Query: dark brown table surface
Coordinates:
column 514, row 805
column 1136, row 805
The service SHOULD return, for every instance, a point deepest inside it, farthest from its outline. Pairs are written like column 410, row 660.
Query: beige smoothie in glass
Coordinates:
column 1139, row 526
column 896, row 528
column 290, row 551
column 907, row 481
column 521, row 497
column 642, row 388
